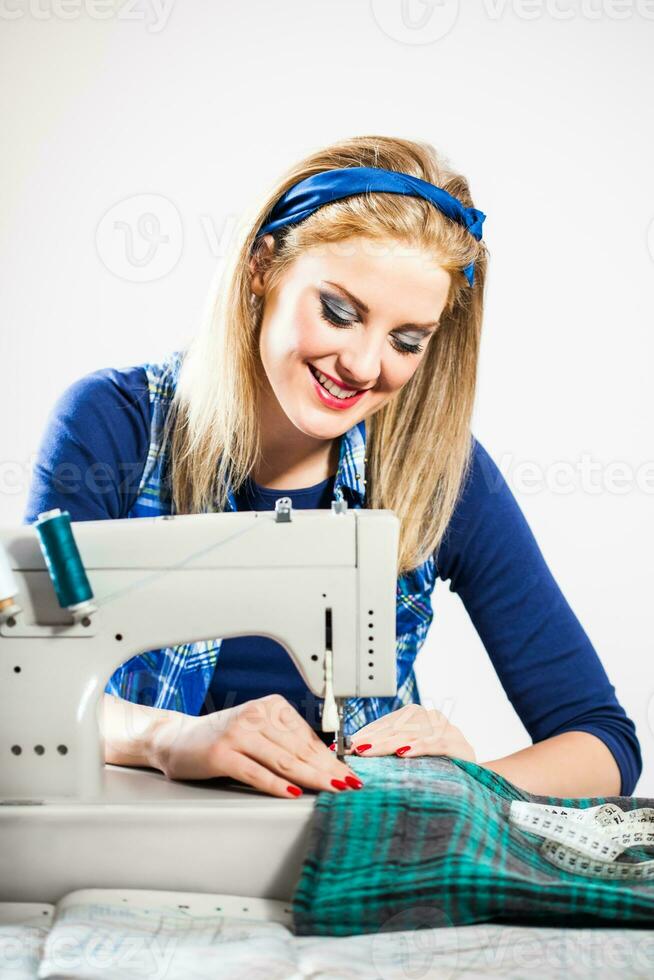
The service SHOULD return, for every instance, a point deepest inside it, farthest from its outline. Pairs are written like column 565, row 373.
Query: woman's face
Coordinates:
column 357, row 311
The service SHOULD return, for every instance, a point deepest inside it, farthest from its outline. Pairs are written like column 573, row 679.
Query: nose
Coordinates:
column 359, row 363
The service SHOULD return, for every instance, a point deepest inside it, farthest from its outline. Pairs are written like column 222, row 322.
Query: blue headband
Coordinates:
column 305, row 197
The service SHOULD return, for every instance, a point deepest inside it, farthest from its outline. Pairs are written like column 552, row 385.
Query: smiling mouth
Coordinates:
column 341, row 393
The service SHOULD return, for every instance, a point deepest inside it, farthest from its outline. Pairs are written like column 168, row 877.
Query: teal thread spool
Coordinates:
column 64, row 562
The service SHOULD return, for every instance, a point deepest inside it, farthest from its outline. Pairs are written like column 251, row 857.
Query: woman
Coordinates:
column 345, row 280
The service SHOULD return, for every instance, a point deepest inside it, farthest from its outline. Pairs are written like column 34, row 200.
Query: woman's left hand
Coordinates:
column 411, row 731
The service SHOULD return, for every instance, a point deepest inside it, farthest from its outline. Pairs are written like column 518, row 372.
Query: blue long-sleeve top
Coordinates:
column 90, row 462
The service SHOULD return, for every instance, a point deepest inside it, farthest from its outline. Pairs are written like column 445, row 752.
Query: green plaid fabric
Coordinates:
column 428, row 842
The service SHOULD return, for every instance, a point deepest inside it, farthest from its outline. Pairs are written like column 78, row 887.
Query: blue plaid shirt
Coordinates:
column 179, row 677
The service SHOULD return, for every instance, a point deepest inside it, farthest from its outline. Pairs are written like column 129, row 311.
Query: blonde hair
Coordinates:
column 418, row 444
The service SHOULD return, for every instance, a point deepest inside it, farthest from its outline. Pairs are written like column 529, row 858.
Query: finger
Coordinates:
column 287, row 729
column 246, row 770
column 378, row 725
column 321, row 760
column 273, row 713
column 288, row 765
column 411, row 717
column 384, row 746
column 309, row 748
column 381, row 726
column 453, row 746
column 277, row 719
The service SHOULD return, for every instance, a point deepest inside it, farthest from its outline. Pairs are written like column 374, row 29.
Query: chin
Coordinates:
column 328, row 430
column 315, row 424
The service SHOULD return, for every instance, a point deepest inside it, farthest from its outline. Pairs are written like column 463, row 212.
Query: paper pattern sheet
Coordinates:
column 24, row 927
column 125, row 935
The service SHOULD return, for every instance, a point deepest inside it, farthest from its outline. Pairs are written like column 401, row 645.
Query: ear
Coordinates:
column 258, row 263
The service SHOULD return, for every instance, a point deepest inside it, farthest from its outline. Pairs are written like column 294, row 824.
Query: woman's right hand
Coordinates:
column 265, row 743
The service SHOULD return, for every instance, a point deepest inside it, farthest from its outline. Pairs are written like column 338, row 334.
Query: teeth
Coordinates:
column 331, row 386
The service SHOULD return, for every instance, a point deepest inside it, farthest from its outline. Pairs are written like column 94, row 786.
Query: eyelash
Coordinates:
column 336, row 321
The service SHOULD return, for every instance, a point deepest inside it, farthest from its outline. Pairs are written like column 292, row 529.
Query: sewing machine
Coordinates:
column 322, row 583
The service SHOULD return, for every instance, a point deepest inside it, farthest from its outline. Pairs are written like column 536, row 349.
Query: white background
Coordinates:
column 545, row 107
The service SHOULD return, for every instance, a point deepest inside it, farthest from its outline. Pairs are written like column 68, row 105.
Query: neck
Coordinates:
column 289, row 459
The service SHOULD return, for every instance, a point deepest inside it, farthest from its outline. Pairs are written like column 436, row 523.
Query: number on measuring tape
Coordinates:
column 588, row 840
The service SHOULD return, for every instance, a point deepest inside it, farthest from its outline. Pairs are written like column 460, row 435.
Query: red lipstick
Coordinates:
column 341, row 384
column 330, row 400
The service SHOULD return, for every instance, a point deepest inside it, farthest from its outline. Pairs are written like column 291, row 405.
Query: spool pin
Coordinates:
column 8, row 588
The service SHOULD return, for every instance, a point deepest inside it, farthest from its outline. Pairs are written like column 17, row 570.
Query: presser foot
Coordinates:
column 340, row 737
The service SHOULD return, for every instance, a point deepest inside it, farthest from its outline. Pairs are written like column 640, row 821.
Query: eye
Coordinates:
column 403, row 348
column 328, row 311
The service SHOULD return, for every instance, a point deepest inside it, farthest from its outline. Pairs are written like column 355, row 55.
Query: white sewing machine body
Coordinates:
column 313, row 580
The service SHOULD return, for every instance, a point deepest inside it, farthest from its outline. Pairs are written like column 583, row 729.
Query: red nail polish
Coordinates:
column 353, row 782
column 294, row 790
column 362, row 748
column 339, row 784
column 405, row 748
column 333, row 746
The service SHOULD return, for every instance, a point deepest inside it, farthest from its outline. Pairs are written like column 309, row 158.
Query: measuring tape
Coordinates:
column 588, row 841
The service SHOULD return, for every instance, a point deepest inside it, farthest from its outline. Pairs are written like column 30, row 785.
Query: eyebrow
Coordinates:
column 426, row 327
